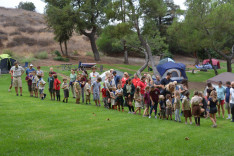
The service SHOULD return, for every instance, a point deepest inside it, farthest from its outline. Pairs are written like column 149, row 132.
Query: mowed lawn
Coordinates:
column 30, row 126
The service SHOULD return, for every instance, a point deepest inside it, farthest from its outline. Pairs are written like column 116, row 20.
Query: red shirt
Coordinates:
column 57, row 84
column 124, row 79
column 142, row 85
column 155, row 94
column 104, row 92
column 135, row 81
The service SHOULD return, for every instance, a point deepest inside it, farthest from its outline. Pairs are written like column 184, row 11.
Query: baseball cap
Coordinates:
column 31, row 65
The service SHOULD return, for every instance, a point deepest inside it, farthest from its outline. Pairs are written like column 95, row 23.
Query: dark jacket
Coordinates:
column 125, row 90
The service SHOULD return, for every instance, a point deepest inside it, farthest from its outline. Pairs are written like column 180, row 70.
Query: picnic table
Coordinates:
column 86, row 65
column 66, row 66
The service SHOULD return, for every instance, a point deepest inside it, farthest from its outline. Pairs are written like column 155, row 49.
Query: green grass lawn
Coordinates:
column 30, row 126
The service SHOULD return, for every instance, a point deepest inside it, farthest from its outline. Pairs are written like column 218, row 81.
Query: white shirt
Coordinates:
column 232, row 95
column 17, row 72
column 110, row 84
column 94, row 77
column 41, row 84
column 40, row 72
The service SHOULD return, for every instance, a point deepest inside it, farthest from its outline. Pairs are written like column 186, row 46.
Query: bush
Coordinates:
column 60, row 58
column 41, row 55
column 9, row 52
column 89, row 54
column 57, row 53
column 29, row 59
column 167, row 54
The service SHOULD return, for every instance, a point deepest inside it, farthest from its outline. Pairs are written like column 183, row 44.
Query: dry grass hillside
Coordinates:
column 26, row 32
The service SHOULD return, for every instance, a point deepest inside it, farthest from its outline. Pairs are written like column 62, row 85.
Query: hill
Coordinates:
column 26, row 32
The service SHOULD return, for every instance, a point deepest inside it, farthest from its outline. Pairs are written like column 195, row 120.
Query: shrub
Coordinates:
column 57, row 53
column 89, row 53
column 60, row 58
column 41, row 55
column 29, row 59
column 9, row 52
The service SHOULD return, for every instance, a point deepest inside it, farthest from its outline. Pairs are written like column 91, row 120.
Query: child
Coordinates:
column 77, row 89
column 119, row 99
column 186, row 107
column 34, row 83
column 154, row 95
column 41, row 86
column 96, row 89
column 162, row 107
column 51, row 86
column 104, row 96
column 29, row 80
column 112, row 96
column 227, row 99
column 196, row 110
column 137, row 98
column 212, row 102
column 177, row 106
column 147, row 101
column 57, row 87
column 88, row 91
column 169, row 106
column 65, row 87
column 203, row 105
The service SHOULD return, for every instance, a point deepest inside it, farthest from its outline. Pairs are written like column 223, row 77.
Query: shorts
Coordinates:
column 66, row 93
column 17, row 82
column 51, row 90
column 11, row 82
column 196, row 111
column 163, row 112
column 96, row 96
column 30, row 88
column 108, row 95
column 187, row 113
column 213, row 110
column 169, row 111
column 87, row 97
column 34, row 86
column 221, row 102
column 147, row 105
column 227, row 105
column 41, row 91
column 129, row 98
column 119, row 100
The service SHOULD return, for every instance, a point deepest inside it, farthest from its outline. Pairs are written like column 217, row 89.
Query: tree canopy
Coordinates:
column 27, row 6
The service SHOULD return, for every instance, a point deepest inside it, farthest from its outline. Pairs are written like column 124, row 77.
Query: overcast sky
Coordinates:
column 40, row 4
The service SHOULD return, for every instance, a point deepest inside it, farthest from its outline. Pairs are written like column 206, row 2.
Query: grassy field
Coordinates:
column 30, row 126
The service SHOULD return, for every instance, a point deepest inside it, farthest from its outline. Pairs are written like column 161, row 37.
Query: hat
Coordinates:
column 31, row 65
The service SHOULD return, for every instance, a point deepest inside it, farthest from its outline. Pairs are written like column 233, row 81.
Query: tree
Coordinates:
column 59, row 17
column 208, row 26
column 90, row 17
column 26, row 6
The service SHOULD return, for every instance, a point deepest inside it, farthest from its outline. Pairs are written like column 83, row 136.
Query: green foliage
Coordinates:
column 41, row 55
column 27, row 6
column 9, row 52
column 27, row 59
column 57, row 53
column 60, row 58
column 89, row 53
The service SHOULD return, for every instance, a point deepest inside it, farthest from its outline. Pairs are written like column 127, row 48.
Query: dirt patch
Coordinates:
column 199, row 86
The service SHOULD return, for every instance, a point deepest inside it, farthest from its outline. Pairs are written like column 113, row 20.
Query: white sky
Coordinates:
column 40, row 4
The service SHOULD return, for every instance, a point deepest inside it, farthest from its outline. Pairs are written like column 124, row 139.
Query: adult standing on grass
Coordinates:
column 39, row 71
column 227, row 98
column 135, row 80
column 94, row 75
column 142, row 84
column 17, row 72
column 30, row 69
column 128, row 92
column 165, row 81
column 232, row 100
column 116, row 78
column 110, row 85
column 212, row 102
column 72, row 81
column 124, row 79
column 83, row 81
column 157, row 83
column 221, row 96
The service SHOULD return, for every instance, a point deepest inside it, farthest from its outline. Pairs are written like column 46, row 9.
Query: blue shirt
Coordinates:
column 28, row 70
column 96, row 86
column 117, row 79
column 221, row 93
column 227, row 94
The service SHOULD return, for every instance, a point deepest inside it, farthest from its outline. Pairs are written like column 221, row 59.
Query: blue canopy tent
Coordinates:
column 177, row 70
column 165, row 60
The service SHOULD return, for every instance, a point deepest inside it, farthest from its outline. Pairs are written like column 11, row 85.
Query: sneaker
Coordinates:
column 129, row 112
column 21, row 95
column 149, row 117
column 9, row 90
column 134, row 113
column 44, row 96
column 17, row 94
column 228, row 118
column 186, row 123
column 155, row 117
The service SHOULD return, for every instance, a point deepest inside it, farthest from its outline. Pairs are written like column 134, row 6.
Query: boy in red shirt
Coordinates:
column 104, row 96
column 57, row 87
column 135, row 80
column 142, row 84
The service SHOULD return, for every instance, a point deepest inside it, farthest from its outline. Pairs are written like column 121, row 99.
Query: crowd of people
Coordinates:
column 164, row 97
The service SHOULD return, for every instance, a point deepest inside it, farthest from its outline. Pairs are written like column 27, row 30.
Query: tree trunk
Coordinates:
column 145, row 64
column 65, row 43
column 61, row 47
column 215, row 70
column 229, row 65
column 125, row 53
column 94, row 47
column 197, row 59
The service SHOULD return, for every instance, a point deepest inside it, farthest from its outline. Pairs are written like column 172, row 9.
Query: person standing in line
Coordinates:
column 186, row 107
column 124, row 79
column 128, row 92
column 154, row 96
column 51, row 86
column 57, row 84
column 196, row 110
column 29, row 81
column 212, row 102
column 17, row 71
column 72, row 81
column 135, row 80
column 221, row 97
column 232, row 100
column 165, row 81
column 94, row 75
column 41, row 86
column 77, row 89
column 227, row 99
column 177, row 106
column 142, row 84
column 39, row 71
column 96, row 89
column 88, row 91
column 34, row 84
column 65, row 87
column 116, row 78
column 30, row 69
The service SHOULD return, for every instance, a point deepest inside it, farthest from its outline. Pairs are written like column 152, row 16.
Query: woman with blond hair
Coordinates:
column 212, row 102
column 149, row 80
